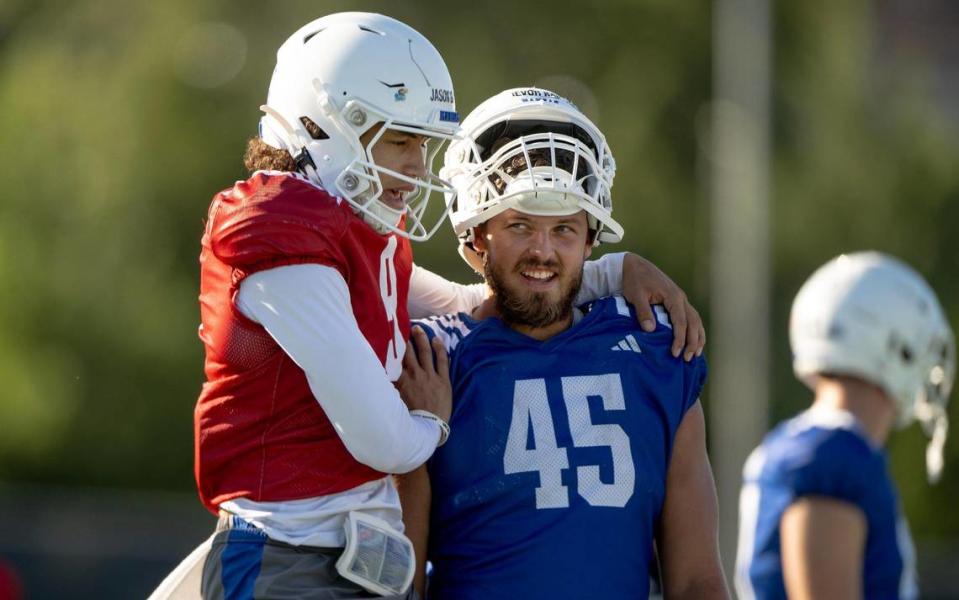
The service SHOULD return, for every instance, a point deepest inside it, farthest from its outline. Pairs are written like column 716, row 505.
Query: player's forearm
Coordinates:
column 601, row 277
column 414, row 490
column 707, row 587
column 431, row 295
column 692, row 567
column 306, row 309
column 689, row 537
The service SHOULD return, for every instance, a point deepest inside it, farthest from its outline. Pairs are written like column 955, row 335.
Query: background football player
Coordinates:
column 819, row 514
column 578, row 438
column 306, row 283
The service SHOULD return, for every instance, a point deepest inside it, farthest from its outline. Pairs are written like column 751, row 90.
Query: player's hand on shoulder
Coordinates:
column 644, row 285
column 425, row 382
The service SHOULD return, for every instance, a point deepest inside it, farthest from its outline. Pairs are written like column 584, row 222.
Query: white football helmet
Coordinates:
column 871, row 316
column 348, row 72
column 579, row 174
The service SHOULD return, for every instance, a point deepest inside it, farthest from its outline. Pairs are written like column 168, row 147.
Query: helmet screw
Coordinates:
column 350, row 182
column 357, row 116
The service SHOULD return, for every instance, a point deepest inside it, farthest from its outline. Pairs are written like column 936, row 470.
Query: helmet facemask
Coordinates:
column 546, row 173
column 929, row 407
column 359, row 182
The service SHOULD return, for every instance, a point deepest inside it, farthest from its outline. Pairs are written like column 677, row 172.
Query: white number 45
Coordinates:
column 531, row 411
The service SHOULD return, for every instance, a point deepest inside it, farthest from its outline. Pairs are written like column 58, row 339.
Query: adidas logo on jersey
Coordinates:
column 628, row 344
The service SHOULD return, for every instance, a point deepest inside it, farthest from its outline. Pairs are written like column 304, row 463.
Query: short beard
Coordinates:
column 530, row 309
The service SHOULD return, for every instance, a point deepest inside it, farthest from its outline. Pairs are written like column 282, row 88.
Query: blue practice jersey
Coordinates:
column 553, row 478
column 821, row 453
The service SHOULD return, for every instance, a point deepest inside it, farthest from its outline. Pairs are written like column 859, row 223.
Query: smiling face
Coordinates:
column 398, row 151
column 534, row 265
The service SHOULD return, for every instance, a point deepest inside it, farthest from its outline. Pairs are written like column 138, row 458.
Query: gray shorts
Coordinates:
column 244, row 564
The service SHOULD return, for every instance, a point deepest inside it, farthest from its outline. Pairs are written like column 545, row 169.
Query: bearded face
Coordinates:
column 519, row 305
column 534, row 265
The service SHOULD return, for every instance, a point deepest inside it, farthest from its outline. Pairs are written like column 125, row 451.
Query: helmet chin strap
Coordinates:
column 383, row 214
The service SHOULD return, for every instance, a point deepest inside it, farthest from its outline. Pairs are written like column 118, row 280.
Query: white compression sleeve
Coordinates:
column 431, row 295
column 601, row 277
column 306, row 309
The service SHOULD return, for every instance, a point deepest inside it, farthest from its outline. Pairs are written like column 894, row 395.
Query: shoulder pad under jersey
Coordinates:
column 272, row 218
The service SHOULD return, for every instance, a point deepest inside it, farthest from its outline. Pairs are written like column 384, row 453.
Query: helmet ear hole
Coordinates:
column 900, row 348
column 906, row 354
column 313, row 129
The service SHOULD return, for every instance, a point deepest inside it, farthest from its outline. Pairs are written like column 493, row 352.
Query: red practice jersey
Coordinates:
column 259, row 431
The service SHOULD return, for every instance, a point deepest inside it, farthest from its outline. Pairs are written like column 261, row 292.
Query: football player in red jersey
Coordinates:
column 307, row 285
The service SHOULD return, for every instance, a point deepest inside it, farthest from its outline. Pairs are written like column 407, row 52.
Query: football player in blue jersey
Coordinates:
column 578, row 438
column 819, row 513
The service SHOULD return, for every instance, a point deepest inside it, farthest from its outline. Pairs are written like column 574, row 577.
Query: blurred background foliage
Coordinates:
column 121, row 119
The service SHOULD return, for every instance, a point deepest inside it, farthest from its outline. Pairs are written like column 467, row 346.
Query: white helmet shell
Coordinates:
column 871, row 316
column 348, row 72
column 534, row 120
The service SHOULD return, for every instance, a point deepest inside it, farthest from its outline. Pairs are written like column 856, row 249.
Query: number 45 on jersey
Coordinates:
column 531, row 412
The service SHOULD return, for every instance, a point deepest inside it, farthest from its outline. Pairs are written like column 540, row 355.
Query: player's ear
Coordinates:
column 479, row 238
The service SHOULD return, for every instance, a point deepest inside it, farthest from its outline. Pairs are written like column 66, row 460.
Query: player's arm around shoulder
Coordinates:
column 688, row 536
column 822, row 542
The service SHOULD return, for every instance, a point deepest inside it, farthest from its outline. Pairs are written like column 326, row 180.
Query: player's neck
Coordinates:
column 874, row 410
column 543, row 333
column 488, row 309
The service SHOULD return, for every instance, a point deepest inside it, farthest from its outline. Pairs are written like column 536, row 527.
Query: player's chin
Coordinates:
column 393, row 198
column 541, row 311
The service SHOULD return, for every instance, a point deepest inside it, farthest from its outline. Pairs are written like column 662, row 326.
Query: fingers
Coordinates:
column 419, row 339
column 677, row 314
column 410, row 356
column 427, row 355
column 442, row 359
column 644, row 314
column 695, row 332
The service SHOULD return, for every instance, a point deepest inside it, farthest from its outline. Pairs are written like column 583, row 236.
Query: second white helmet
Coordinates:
column 871, row 316
column 347, row 72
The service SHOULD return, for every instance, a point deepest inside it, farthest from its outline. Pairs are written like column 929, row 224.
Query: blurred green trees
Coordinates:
column 120, row 120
